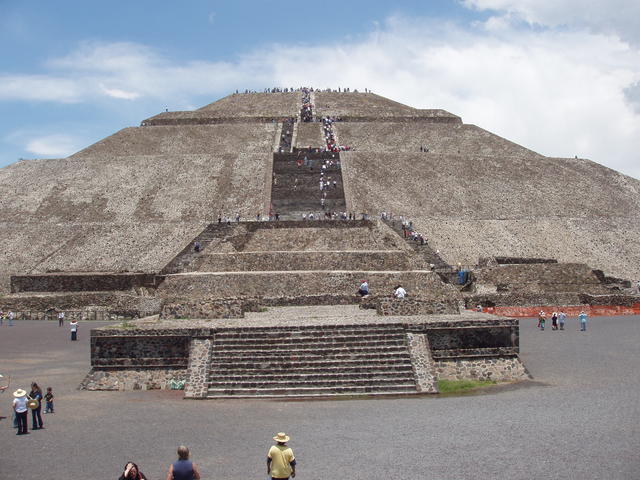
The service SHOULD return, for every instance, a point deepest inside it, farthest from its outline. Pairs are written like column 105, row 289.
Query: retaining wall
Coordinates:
column 98, row 282
column 308, row 260
column 298, row 283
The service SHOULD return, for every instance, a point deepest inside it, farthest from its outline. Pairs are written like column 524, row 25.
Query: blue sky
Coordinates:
column 560, row 77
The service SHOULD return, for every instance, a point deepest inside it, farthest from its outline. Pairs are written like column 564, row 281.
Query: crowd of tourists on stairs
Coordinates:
column 306, row 112
column 329, row 136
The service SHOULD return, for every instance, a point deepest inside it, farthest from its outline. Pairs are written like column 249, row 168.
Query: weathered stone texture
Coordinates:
column 305, row 260
column 298, row 283
column 108, row 214
column 81, row 282
column 316, row 238
column 241, row 105
column 118, row 303
column 132, row 379
column 392, row 138
column 543, row 277
column 372, row 107
column 422, row 362
column 191, row 140
column 391, row 306
column 473, row 206
column 198, row 370
column 497, row 368
column 188, row 308
column 139, row 350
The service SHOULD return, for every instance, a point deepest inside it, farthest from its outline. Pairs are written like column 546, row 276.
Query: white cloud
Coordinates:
column 53, row 145
column 611, row 16
column 117, row 93
column 41, row 88
column 561, row 92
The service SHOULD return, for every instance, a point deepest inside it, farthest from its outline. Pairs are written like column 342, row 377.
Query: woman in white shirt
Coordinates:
column 20, row 407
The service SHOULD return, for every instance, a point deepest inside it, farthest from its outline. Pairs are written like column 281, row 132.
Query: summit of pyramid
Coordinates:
column 354, row 106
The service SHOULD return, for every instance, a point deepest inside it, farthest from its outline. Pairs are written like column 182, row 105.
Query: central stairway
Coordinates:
column 311, row 361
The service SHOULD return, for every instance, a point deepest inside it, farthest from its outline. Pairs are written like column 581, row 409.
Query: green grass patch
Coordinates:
column 462, row 386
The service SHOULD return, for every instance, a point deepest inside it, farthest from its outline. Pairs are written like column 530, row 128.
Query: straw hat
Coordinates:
column 19, row 393
column 281, row 437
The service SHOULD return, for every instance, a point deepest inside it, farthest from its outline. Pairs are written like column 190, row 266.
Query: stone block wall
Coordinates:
column 141, row 350
column 189, row 308
column 127, row 379
column 388, row 306
column 198, row 370
column 307, row 260
column 209, row 286
column 502, row 369
column 474, row 338
column 539, row 277
column 116, row 303
column 423, row 366
column 98, row 282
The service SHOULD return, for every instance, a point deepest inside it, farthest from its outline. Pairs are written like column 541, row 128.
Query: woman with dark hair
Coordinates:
column 132, row 472
column 36, row 418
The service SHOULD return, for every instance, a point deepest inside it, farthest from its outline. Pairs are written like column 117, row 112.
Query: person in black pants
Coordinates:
column 20, row 407
column 36, row 418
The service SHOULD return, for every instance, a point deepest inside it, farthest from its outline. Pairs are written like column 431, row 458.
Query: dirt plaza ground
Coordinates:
column 578, row 419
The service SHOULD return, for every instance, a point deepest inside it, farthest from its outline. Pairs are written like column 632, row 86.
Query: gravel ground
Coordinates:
column 578, row 419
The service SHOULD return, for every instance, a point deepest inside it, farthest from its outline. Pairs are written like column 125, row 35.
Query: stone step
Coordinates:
column 324, row 345
column 328, row 368
column 353, row 382
column 308, row 358
column 397, row 338
column 308, row 330
column 322, row 364
column 401, row 389
column 373, row 376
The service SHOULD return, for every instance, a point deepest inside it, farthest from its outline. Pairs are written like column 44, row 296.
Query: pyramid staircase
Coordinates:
column 296, row 187
column 425, row 251
column 311, row 361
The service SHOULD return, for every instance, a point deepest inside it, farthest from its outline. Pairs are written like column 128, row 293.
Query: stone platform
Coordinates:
column 314, row 351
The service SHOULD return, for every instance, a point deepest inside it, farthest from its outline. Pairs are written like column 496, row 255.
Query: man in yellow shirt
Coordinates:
column 281, row 464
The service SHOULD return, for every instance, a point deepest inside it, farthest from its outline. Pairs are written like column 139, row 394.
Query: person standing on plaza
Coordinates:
column 541, row 320
column 73, row 326
column 583, row 321
column 36, row 418
column 60, row 319
column 20, row 408
column 183, row 468
column 11, row 315
column 281, row 464
column 132, row 472
column 49, row 401
column 554, row 321
column 562, row 317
